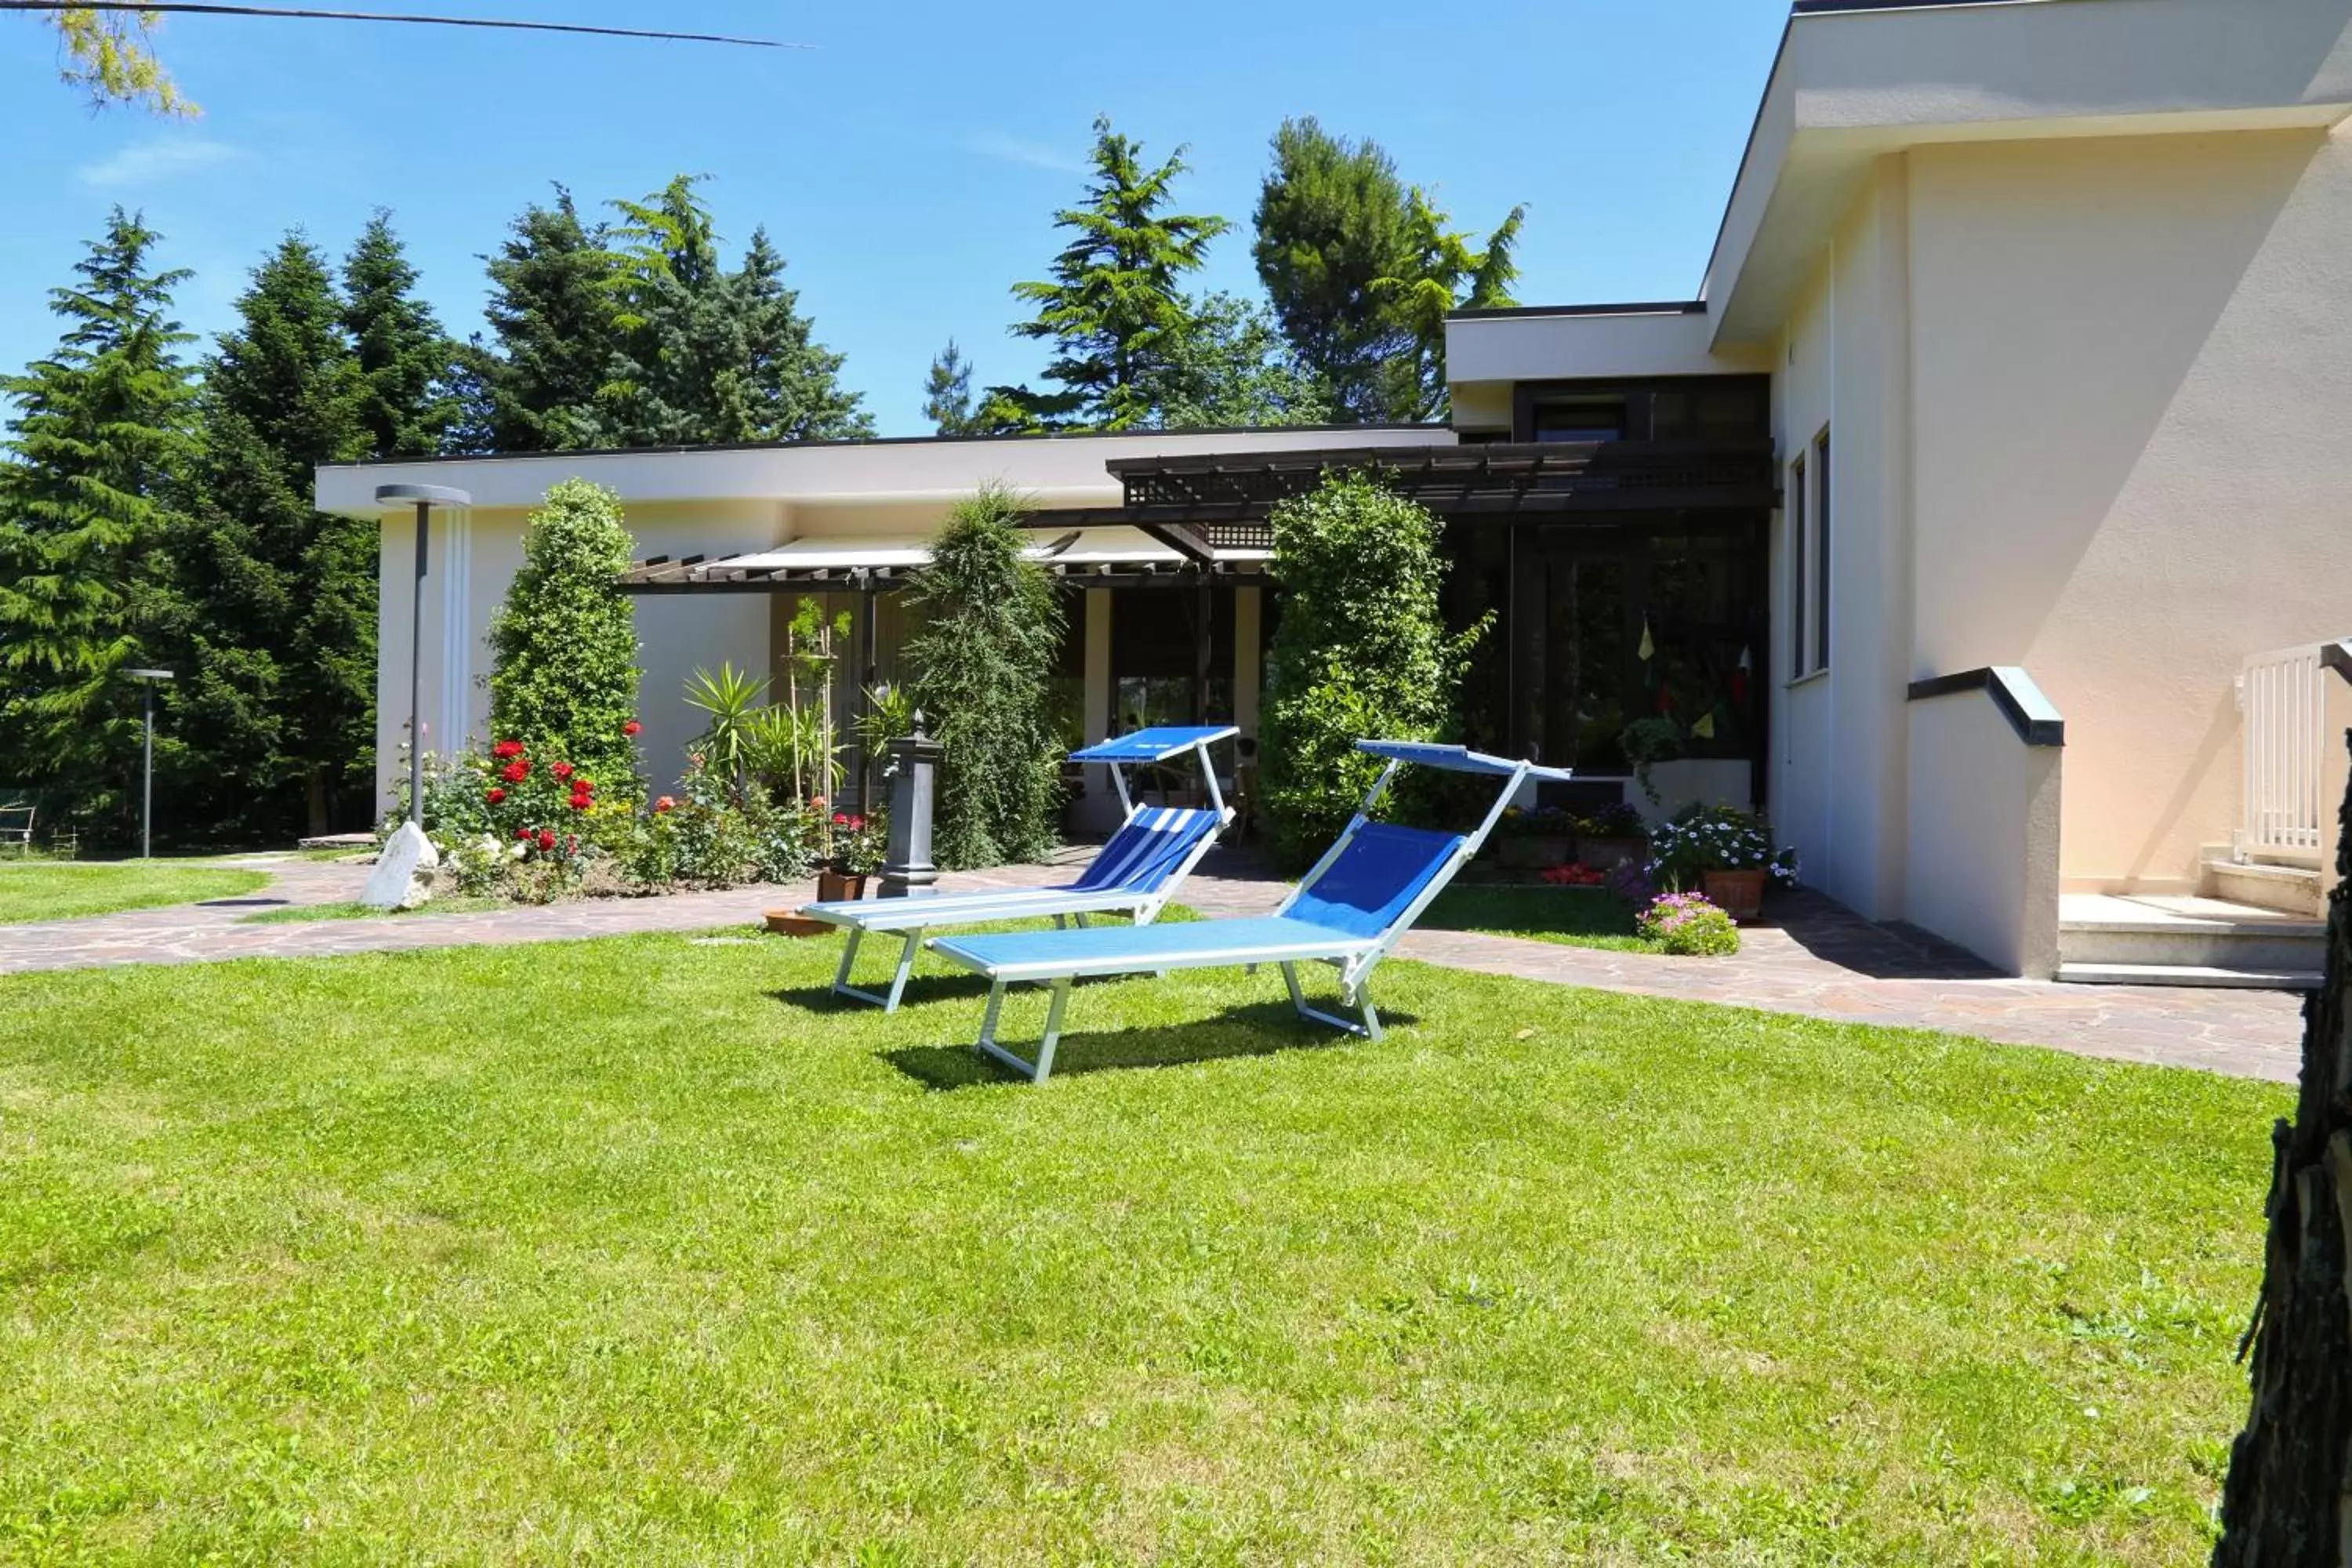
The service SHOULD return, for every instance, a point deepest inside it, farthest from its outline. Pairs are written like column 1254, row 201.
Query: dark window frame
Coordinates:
column 1793, row 513
column 1822, row 492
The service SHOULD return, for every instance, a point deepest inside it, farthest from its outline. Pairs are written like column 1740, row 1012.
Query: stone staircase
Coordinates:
column 2151, row 939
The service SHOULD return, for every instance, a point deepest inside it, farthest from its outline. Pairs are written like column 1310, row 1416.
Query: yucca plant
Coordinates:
column 732, row 699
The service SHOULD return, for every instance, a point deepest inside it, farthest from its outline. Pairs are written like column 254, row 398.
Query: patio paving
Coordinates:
column 1817, row 959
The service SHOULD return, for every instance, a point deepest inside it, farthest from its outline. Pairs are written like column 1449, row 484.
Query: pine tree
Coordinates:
column 1361, row 268
column 404, row 354
column 710, row 356
column 554, row 313
column 1115, row 309
column 101, row 428
column 277, row 601
column 947, row 392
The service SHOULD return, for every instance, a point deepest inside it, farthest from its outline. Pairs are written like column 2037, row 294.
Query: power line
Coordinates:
column 193, row 8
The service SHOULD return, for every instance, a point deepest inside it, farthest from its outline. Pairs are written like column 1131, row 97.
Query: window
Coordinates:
column 1821, row 549
column 1793, row 512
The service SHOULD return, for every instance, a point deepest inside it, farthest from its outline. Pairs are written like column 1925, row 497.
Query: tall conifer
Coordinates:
column 99, row 428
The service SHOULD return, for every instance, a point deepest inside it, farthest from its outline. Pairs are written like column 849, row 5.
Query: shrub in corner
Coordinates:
column 1688, row 925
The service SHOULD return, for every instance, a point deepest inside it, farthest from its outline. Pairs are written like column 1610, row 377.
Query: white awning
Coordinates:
column 849, row 552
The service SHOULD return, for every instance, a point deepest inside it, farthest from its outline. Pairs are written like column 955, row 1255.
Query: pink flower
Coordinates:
column 665, row 804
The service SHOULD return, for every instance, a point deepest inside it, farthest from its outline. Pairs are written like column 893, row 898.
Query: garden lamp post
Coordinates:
column 393, row 884
column 424, row 498
column 150, row 679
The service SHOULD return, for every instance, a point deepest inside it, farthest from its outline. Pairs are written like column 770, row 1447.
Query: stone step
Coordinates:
column 2189, row 974
column 2151, row 939
column 2292, row 889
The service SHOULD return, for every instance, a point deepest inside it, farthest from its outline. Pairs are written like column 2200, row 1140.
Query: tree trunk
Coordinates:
column 2283, row 1505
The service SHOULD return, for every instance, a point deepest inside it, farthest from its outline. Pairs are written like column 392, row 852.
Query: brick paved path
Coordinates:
column 1817, row 960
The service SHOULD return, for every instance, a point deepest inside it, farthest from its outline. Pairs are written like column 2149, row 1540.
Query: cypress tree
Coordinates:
column 277, row 611
column 100, row 430
column 563, row 645
column 990, row 625
column 405, row 357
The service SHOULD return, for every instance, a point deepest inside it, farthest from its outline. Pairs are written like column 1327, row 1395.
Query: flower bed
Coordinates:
column 519, row 823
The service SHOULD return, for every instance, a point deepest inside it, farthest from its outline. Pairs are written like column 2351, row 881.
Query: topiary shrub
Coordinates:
column 563, row 645
column 1361, row 650
column 990, row 625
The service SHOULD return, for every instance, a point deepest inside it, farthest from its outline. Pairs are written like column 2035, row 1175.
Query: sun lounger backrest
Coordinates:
column 1145, row 852
column 1383, row 869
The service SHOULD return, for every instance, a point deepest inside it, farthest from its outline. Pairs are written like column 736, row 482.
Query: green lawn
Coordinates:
column 642, row 1250
column 1578, row 917
column 59, row 890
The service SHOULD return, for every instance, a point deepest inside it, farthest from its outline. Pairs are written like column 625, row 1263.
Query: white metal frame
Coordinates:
column 913, row 917
column 2281, row 816
column 1355, row 959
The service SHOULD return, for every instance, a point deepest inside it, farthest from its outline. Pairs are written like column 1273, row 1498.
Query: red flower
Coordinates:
column 506, row 749
column 631, row 728
column 856, row 825
column 497, row 794
column 515, row 771
column 561, row 770
column 579, row 803
column 546, row 839
column 572, row 844
column 523, row 834
column 582, row 782
column 664, row 804
column 840, row 819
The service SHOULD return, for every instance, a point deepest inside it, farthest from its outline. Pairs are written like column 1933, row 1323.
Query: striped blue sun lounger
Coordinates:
column 1135, row 873
column 1349, row 911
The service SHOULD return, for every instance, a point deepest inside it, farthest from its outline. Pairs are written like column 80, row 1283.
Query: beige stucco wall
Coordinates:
column 2133, row 361
column 475, row 555
column 1983, row 834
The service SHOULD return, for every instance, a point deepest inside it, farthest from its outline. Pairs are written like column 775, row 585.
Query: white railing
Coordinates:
column 2284, row 698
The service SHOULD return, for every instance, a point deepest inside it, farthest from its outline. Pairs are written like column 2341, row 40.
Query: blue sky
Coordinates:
column 908, row 165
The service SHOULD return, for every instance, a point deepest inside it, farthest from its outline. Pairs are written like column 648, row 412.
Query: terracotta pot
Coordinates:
column 838, row 887
column 1740, row 894
column 785, row 923
column 1607, row 854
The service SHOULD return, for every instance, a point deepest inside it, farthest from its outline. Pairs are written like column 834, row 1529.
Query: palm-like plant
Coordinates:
column 732, row 699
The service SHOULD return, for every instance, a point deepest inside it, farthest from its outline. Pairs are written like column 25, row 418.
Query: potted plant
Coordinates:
column 1530, row 841
column 1727, row 854
column 1611, row 836
column 1645, row 741
column 859, row 844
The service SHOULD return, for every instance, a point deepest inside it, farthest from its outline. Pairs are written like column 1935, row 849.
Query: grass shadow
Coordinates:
column 1254, row 1030
column 920, row 988
column 243, row 903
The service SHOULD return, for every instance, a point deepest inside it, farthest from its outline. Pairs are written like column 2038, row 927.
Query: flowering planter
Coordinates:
column 1607, row 854
column 1740, row 894
column 839, row 887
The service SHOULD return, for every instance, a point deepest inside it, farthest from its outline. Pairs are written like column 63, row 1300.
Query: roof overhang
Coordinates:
column 1856, row 79
column 859, row 563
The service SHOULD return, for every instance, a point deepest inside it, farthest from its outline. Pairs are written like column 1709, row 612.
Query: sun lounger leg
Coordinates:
column 1369, row 1027
column 1036, row 1071
column 906, row 967
column 888, row 1003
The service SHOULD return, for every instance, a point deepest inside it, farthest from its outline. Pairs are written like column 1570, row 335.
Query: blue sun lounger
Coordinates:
column 1135, row 873
column 1349, row 911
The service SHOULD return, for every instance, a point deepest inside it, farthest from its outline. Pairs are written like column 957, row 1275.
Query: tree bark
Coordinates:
column 2283, row 1504
column 320, row 814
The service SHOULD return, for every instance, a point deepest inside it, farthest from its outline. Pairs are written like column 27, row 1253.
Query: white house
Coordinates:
column 1985, row 516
